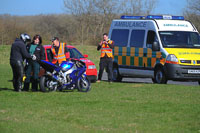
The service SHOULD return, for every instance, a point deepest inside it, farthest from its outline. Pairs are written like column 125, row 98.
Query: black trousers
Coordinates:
column 18, row 71
column 106, row 63
column 33, row 66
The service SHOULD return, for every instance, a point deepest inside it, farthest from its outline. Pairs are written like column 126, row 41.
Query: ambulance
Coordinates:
column 159, row 47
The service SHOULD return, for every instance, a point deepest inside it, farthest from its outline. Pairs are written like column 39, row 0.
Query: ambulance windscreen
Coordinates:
column 180, row 39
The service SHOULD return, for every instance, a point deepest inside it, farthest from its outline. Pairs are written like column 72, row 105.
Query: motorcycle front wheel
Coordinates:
column 83, row 84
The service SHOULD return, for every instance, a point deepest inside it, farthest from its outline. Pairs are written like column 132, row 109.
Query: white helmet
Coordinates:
column 25, row 37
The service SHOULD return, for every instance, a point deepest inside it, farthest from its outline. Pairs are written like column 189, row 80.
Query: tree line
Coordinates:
column 84, row 21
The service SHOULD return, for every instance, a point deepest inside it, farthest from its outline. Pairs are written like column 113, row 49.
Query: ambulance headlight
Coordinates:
column 171, row 58
column 91, row 67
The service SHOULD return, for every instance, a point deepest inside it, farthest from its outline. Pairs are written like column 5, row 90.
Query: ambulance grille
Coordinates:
column 186, row 61
column 191, row 75
column 198, row 61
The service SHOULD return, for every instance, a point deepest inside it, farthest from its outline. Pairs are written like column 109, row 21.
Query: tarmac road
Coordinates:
column 148, row 80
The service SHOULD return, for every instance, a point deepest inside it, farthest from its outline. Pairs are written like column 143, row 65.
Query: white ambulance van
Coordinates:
column 159, row 47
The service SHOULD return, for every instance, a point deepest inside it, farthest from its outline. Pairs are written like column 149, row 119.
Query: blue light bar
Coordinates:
column 154, row 17
column 165, row 17
column 178, row 18
column 132, row 17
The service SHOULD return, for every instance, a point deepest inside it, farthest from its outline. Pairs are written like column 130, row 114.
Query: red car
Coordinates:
column 91, row 70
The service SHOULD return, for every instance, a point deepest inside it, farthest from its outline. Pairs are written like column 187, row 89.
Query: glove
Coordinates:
column 33, row 57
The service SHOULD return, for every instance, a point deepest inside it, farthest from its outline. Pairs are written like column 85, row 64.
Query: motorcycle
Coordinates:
column 69, row 75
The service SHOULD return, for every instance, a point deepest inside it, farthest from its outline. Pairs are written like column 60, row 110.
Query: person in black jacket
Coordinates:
column 17, row 55
column 34, row 48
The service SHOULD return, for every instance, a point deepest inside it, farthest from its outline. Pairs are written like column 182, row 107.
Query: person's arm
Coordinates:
column 42, row 54
column 111, row 45
column 24, row 52
column 99, row 45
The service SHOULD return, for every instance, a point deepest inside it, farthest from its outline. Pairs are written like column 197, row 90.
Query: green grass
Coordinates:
column 116, row 107
column 4, row 54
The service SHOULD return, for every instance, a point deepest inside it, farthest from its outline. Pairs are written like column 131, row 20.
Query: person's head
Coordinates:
column 37, row 39
column 105, row 36
column 55, row 41
column 25, row 38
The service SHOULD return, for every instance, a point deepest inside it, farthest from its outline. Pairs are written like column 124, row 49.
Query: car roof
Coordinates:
column 49, row 46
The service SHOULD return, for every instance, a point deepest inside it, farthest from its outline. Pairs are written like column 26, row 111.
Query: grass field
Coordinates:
column 116, row 107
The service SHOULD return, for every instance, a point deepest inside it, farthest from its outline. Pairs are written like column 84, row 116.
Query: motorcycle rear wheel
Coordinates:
column 83, row 84
column 43, row 84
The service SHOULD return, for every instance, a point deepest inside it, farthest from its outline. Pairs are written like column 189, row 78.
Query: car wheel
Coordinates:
column 159, row 76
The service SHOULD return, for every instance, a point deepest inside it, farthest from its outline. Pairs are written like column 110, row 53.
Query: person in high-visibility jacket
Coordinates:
column 106, row 57
column 59, row 51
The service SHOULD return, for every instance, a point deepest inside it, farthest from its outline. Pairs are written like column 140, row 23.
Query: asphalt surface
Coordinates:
column 149, row 81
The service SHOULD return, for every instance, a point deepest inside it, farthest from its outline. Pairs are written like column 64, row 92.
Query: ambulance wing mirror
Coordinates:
column 155, row 46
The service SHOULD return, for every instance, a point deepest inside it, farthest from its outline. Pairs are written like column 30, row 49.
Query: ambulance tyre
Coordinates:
column 159, row 76
column 199, row 82
column 153, row 79
column 116, row 76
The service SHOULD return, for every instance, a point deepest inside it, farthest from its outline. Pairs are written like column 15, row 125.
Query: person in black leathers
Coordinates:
column 34, row 48
column 17, row 55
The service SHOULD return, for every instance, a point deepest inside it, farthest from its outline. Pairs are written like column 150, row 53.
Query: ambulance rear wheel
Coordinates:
column 116, row 76
column 159, row 76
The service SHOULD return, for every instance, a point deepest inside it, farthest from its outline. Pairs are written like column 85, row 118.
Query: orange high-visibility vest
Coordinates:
column 60, row 57
column 105, row 49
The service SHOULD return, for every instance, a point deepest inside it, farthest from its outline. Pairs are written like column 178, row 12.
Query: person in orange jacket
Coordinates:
column 59, row 51
column 106, row 47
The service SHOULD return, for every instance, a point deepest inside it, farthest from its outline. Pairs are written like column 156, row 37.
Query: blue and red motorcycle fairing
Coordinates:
column 69, row 75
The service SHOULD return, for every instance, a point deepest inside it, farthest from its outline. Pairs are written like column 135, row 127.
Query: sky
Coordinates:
column 36, row 7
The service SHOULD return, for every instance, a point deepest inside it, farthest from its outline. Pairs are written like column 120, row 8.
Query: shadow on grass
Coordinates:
column 5, row 89
column 137, row 82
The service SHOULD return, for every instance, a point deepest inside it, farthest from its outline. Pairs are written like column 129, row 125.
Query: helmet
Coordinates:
column 25, row 37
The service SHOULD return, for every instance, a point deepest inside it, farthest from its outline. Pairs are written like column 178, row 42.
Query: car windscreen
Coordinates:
column 180, row 39
column 74, row 53
column 49, row 55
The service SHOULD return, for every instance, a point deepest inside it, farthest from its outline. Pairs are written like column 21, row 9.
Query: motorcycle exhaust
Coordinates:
column 54, row 77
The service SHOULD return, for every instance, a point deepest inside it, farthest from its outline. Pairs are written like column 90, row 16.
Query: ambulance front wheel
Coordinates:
column 116, row 76
column 159, row 76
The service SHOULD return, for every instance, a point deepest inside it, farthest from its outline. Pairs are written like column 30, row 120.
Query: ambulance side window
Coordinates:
column 137, row 38
column 151, row 37
column 120, row 37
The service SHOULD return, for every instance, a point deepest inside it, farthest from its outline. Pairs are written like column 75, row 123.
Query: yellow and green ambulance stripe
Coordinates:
column 139, row 57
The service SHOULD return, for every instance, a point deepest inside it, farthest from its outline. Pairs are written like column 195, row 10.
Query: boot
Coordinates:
column 35, row 85
column 18, row 86
column 26, row 87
